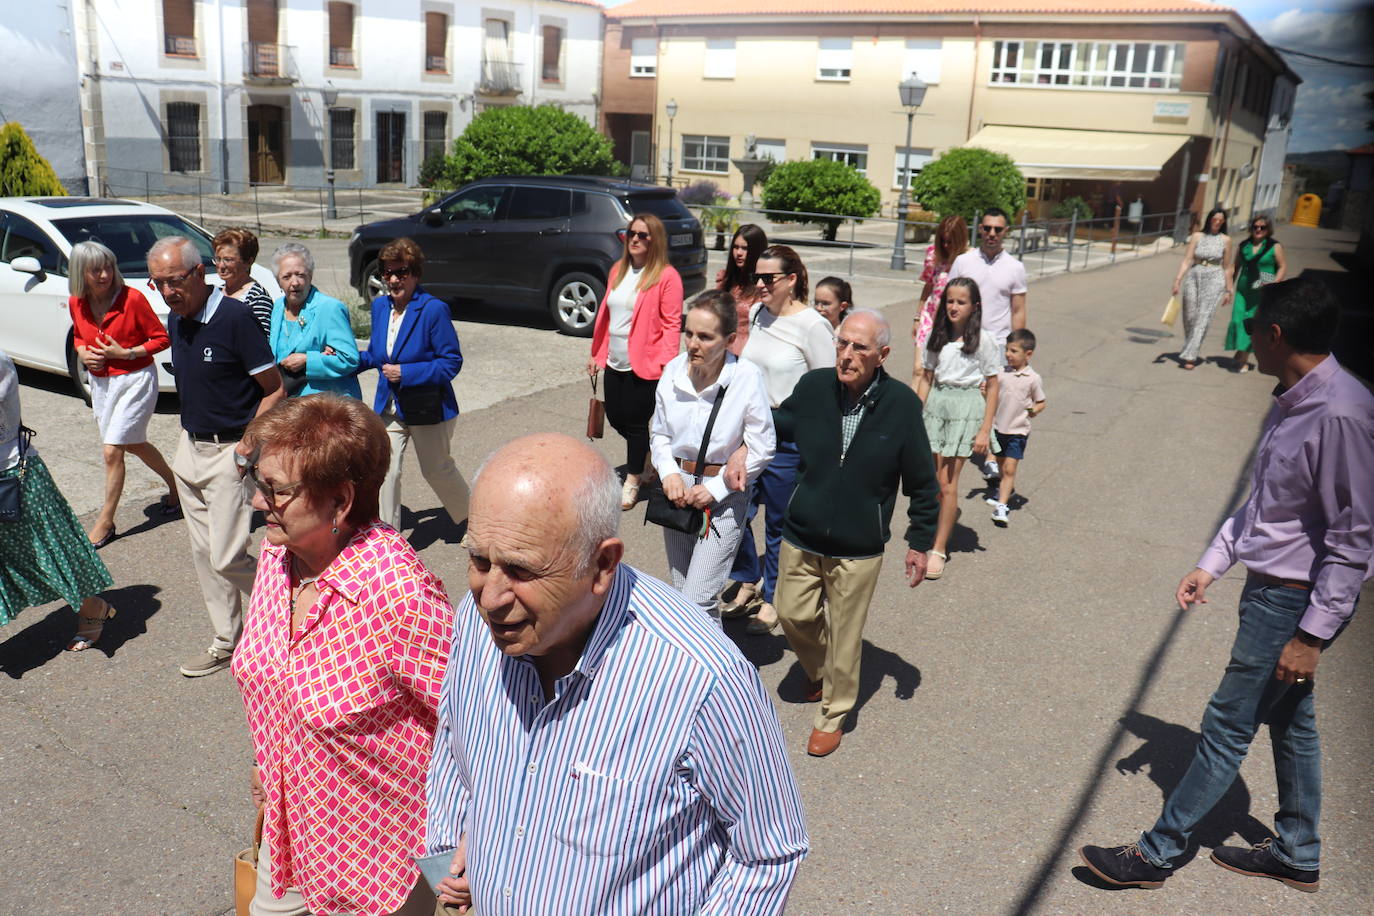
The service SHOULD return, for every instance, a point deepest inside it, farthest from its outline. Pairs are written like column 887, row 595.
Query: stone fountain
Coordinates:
column 749, row 166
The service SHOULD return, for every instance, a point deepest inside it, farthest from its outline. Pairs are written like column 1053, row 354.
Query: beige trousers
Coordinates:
column 218, row 515
column 436, row 464
column 823, row 604
column 421, row 901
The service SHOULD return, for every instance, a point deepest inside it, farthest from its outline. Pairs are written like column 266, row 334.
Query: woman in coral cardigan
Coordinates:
column 637, row 331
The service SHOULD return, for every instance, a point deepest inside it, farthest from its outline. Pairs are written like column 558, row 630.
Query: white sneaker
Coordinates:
column 999, row 515
column 990, row 469
column 992, row 501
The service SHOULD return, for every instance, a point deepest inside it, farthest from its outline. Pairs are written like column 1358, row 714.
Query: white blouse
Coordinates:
column 681, row 412
column 621, row 302
column 964, row 370
column 787, row 347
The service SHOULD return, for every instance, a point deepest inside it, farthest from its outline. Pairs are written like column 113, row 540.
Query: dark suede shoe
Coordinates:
column 1260, row 862
column 1123, row 866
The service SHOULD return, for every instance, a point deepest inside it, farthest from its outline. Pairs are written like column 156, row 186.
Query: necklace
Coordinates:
column 301, row 583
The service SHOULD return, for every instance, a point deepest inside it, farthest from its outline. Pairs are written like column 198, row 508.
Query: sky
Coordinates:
column 1331, row 110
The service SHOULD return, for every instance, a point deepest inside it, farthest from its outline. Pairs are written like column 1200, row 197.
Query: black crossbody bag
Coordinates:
column 660, row 510
column 12, row 486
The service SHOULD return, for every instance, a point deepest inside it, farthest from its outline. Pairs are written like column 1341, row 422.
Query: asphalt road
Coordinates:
column 1044, row 694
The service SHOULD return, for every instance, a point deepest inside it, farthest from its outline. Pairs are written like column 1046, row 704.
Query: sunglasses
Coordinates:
column 994, row 230
column 400, row 273
column 768, row 279
column 1259, row 227
column 637, row 235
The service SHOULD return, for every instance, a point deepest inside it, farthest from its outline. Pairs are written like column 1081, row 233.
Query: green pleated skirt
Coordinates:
column 45, row 556
column 953, row 416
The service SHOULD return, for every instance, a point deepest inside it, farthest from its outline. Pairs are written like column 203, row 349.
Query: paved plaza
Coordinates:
column 1043, row 694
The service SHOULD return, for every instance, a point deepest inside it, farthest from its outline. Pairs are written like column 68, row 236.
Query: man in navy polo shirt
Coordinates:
column 226, row 375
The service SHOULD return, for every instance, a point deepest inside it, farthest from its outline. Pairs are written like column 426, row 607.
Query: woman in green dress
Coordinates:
column 1259, row 262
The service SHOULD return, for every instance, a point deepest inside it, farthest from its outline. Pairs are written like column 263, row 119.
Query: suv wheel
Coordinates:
column 370, row 286
column 81, row 378
column 573, row 302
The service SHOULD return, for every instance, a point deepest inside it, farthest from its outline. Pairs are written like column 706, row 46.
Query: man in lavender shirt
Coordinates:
column 1305, row 536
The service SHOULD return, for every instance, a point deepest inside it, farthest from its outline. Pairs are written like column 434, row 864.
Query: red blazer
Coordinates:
column 655, row 326
column 129, row 321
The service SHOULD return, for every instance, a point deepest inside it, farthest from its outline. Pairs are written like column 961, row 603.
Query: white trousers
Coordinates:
column 700, row 566
column 436, row 464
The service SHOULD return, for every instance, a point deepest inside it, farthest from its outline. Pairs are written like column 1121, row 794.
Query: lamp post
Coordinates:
column 913, row 92
column 672, row 113
column 330, row 96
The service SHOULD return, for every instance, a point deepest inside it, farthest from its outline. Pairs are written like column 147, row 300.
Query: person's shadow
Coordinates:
column 877, row 665
column 1167, row 752
column 427, row 526
column 44, row 640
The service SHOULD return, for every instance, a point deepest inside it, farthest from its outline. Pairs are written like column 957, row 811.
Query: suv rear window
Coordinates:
column 130, row 237
column 661, row 205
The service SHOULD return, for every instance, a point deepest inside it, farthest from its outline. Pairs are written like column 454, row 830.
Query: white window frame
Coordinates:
column 771, row 149
column 920, row 157
column 707, row 155
column 720, row 59
column 921, row 57
column 834, row 59
column 848, row 153
column 1090, row 65
column 644, row 57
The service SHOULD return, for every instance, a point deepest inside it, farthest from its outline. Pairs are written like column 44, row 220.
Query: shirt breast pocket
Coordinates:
column 602, row 816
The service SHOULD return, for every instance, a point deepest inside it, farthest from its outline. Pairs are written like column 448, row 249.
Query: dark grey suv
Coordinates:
column 532, row 241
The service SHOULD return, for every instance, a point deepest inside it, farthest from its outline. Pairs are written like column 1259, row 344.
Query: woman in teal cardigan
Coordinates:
column 310, row 335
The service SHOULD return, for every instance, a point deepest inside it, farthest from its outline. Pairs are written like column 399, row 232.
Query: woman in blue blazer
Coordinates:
column 310, row 334
column 415, row 349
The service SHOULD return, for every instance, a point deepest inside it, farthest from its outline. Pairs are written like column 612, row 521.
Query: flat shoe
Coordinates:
column 758, row 626
column 167, row 508
column 109, row 536
column 88, row 630
column 742, row 603
column 935, row 567
column 629, row 495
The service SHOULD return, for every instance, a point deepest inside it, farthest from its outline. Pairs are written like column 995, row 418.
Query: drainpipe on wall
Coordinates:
column 977, row 46
column 223, row 115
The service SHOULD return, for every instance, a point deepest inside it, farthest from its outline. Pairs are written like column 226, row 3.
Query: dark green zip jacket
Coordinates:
column 843, row 510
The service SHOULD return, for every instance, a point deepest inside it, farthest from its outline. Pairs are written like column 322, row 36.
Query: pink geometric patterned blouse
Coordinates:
column 936, row 274
column 343, row 717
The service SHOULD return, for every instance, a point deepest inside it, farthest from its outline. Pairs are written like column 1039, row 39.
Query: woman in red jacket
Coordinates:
column 116, row 334
column 637, row 331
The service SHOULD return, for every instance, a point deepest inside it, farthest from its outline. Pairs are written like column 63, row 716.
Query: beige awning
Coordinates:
column 1047, row 152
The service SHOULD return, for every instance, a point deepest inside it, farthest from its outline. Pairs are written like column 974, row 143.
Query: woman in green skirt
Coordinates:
column 1259, row 262
column 45, row 555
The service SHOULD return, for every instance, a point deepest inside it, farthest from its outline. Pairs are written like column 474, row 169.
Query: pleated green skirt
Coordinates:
column 953, row 416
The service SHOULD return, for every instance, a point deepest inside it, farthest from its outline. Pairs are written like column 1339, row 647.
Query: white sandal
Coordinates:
column 629, row 495
column 933, row 571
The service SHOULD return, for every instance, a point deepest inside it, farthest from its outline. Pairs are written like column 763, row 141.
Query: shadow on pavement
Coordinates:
column 41, row 642
column 431, row 525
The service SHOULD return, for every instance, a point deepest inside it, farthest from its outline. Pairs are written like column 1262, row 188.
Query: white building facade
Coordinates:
column 221, row 94
column 40, row 85
column 1278, row 133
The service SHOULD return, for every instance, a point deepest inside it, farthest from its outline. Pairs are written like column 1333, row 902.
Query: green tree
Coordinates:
column 1066, row 208
column 819, row 186
column 967, row 180
column 520, row 140
column 23, row 170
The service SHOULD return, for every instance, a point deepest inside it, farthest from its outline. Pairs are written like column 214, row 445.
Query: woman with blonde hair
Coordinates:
column 115, row 334
column 635, row 334
column 951, row 238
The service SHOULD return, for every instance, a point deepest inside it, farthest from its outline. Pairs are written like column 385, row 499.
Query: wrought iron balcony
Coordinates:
column 267, row 63
column 179, row 45
column 500, row 77
column 436, row 63
column 342, row 57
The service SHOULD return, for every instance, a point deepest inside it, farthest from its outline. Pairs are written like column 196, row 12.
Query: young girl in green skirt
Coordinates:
column 957, row 382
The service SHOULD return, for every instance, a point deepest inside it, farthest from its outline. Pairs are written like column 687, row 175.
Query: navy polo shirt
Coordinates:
column 215, row 355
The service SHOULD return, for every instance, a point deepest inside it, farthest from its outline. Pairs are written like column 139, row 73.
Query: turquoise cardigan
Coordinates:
column 325, row 325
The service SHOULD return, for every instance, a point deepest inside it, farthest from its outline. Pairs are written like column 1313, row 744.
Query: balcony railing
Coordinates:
column 269, row 63
column 341, row 57
column 436, row 63
column 179, row 45
column 500, row 77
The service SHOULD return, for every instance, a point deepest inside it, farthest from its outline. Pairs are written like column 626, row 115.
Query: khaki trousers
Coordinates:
column 218, row 515
column 436, row 464
column 823, row 604
column 421, row 902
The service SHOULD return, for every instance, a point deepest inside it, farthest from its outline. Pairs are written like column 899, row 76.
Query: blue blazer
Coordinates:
column 326, row 324
column 426, row 349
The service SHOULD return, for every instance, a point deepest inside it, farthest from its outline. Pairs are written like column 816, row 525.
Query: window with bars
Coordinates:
column 183, row 137
column 1101, row 65
column 341, row 34
column 179, row 28
column 436, row 43
column 436, row 133
column 552, row 65
column 856, row 156
column 702, row 153
column 341, row 139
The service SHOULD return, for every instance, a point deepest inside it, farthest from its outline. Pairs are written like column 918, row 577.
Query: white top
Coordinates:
column 788, row 347
column 964, row 370
column 681, row 412
column 998, row 280
column 621, row 302
column 393, row 328
column 9, row 415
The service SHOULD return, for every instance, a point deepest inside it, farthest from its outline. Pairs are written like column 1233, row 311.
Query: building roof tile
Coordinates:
column 676, row 9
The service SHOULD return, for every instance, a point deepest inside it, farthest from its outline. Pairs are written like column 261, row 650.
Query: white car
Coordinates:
column 36, row 238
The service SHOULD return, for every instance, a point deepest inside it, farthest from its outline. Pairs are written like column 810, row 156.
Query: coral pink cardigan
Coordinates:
column 655, row 327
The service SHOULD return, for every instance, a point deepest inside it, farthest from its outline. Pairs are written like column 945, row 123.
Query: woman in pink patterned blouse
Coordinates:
column 342, row 655
column 951, row 238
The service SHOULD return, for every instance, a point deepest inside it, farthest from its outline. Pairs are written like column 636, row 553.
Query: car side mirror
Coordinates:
column 433, row 218
column 28, row 265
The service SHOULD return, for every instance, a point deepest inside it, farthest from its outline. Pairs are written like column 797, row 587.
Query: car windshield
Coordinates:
column 661, row 205
column 130, row 236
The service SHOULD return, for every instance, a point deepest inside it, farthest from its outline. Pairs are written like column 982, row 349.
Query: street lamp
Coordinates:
column 672, row 113
column 330, row 95
column 913, row 92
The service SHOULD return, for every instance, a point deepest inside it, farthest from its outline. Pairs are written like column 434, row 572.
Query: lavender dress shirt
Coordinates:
column 1310, row 513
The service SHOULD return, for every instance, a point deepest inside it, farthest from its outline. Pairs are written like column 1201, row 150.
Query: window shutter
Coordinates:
column 436, row 24
column 262, row 21
column 553, row 51
column 340, row 24
column 179, row 18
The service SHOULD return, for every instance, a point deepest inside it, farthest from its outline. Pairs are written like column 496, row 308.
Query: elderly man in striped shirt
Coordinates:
column 602, row 747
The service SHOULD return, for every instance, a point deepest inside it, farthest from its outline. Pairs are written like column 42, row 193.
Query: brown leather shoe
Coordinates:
column 822, row 743
column 813, row 693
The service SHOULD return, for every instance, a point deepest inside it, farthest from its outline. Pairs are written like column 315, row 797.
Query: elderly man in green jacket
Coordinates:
column 860, row 435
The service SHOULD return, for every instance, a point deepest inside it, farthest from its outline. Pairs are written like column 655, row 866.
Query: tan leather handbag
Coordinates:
column 246, row 871
column 596, row 415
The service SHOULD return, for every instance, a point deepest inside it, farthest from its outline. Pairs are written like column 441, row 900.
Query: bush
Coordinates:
column 967, row 180
column 23, row 170
column 1065, row 209
column 432, row 172
column 819, row 186
column 702, row 193
column 520, row 140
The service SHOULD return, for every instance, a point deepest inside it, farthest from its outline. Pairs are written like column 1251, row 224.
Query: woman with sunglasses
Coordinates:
column 787, row 339
column 340, row 664
column 1204, row 278
column 415, row 348
column 1260, row 261
column 737, row 278
column 636, row 332
column 235, row 251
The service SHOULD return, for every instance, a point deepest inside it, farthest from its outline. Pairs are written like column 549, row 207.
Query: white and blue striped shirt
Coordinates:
column 654, row 781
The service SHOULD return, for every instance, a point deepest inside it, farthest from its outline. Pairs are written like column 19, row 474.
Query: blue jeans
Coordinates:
column 773, row 491
column 1247, row 697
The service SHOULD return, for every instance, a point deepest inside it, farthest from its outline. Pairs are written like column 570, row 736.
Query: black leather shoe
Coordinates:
column 1123, row 866
column 1260, row 862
